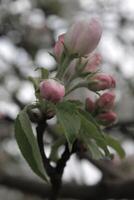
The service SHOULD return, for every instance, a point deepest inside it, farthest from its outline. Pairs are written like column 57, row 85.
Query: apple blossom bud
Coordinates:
column 106, row 101
column 83, row 37
column 85, row 64
column 107, row 118
column 102, row 82
column 52, row 90
column 94, row 61
column 59, row 47
column 90, row 105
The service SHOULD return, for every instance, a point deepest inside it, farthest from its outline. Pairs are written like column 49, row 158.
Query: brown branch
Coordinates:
column 103, row 165
column 55, row 173
column 125, row 123
column 118, row 190
column 40, row 132
column 56, row 179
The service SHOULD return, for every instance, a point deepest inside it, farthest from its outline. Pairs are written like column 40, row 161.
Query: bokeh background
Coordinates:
column 28, row 31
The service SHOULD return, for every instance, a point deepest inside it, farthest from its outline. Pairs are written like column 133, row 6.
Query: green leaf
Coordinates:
column 28, row 144
column 76, row 103
column 90, row 118
column 69, row 120
column 115, row 145
column 91, row 130
column 94, row 150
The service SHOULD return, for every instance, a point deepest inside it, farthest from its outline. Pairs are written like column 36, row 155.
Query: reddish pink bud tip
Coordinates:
column 59, row 47
column 52, row 90
column 107, row 118
column 102, row 82
column 94, row 60
column 106, row 101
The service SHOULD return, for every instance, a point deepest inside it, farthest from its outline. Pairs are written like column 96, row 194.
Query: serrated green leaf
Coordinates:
column 91, row 130
column 69, row 120
column 28, row 144
column 115, row 145
column 89, row 117
column 94, row 150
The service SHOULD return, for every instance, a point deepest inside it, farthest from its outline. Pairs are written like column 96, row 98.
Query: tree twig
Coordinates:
column 55, row 173
column 40, row 132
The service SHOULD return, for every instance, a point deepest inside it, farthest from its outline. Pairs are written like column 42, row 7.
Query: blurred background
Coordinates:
column 28, row 31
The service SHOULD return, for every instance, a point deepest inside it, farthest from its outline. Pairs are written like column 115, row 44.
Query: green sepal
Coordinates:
column 44, row 72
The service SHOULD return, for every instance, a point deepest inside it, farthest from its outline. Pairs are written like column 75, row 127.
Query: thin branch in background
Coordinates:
column 103, row 190
column 103, row 166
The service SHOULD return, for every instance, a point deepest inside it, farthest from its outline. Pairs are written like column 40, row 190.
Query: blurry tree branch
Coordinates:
column 103, row 190
column 103, row 166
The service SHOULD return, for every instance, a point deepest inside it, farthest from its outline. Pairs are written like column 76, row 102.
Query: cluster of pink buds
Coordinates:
column 102, row 108
column 73, row 53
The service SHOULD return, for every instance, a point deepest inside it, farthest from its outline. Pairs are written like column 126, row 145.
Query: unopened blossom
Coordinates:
column 85, row 64
column 90, row 105
column 106, row 100
column 59, row 47
column 83, row 37
column 93, row 62
column 52, row 90
column 107, row 118
column 102, row 82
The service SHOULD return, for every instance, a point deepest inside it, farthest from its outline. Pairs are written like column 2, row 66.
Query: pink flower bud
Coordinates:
column 59, row 47
column 107, row 118
column 102, row 82
column 90, row 105
column 94, row 61
column 106, row 101
column 52, row 90
column 83, row 37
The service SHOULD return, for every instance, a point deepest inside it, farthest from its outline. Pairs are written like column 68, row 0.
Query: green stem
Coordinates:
column 71, row 79
column 63, row 67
